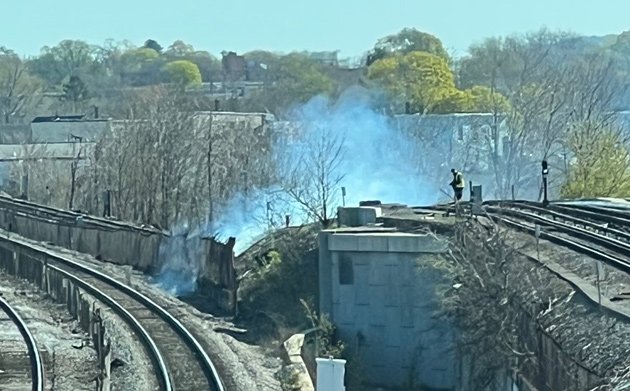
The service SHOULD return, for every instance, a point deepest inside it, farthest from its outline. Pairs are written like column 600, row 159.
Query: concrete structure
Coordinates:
column 15, row 134
column 144, row 248
column 65, row 129
column 358, row 216
column 230, row 120
column 330, row 374
column 293, row 347
column 234, row 66
column 114, row 241
column 374, row 284
column 13, row 154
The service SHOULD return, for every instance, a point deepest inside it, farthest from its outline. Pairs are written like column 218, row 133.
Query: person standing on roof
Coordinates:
column 457, row 184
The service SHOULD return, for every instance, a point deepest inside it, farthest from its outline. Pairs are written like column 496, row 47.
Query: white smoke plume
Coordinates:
column 377, row 164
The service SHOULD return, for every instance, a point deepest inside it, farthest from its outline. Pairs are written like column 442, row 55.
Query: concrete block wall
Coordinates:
column 380, row 297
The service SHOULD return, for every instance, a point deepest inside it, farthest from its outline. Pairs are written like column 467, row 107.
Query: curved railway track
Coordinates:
column 36, row 363
column 179, row 360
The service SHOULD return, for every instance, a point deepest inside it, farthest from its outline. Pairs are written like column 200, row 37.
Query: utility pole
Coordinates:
column 545, row 171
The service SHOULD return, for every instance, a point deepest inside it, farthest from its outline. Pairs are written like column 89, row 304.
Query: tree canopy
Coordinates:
column 427, row 83
column 600, row 166
column 406, row 41
column 69, row 57
column 183, row 72
column 18, row 88
column 152, row 44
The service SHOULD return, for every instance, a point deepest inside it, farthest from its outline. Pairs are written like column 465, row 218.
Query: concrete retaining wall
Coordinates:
column 553, row 368
column 28, row 265
column 124, row 244
column 113, row 241
column 381, row 300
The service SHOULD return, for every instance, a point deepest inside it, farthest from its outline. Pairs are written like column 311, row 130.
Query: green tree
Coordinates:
column 302, row 78
column 600, row 166
column 420, row 78
column 406, row 41
column 109, row 56
column 503, row 63
column 478, row 99
column 183, row 72
column 208, row 65
column 69, row 57
column 456, row 101
column 75, row 92
column 152, row 44
column 179, row 49
column 293, row 79
column 19, row 90
column 485, row 100
column 135, row 59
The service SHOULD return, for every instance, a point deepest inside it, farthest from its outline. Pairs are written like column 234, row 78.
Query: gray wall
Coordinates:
column 380, row 296
column 59, row 132
column 113, row 241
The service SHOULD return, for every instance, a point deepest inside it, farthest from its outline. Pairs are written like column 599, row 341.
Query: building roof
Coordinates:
column 58, row 118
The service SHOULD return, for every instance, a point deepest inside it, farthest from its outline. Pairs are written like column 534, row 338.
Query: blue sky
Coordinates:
column 351, row 26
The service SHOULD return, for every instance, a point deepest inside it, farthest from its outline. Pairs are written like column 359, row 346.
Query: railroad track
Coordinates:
column 35, row 363
column 589, row 221
column 590, row 238
column 179, row 360
column 595, row 232
column 615, row 218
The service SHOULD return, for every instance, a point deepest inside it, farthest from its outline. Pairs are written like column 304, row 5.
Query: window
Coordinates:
column 346, row 272
column 460, row 133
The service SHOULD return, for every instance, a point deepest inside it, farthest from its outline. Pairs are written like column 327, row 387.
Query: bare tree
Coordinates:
column 74, row 166
column 312, row 171
column 549, row 86
column 19, row 91
column 167, row 162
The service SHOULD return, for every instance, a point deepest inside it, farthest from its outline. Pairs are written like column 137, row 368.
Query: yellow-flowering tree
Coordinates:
column 184, row 72
column 600, row 166
column 419, row 78
column 427, row 83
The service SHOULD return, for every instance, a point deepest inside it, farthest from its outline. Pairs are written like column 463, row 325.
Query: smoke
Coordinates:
column 378, row 160
column 244, row 218
column 182, row 251
column 377, row 163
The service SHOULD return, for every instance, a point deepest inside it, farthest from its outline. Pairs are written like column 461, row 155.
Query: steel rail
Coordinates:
column 578, row 247
column 37, row 365
column 206, row 363
column 162, row 374
column 575, row 218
